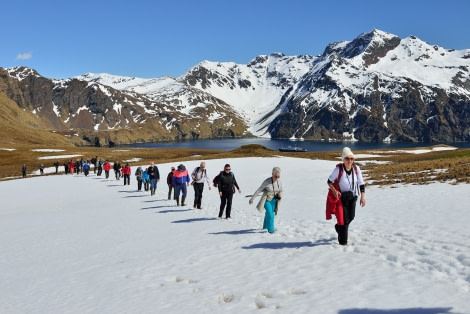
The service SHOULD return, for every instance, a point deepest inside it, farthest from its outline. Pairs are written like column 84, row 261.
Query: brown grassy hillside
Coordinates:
column 19, row 128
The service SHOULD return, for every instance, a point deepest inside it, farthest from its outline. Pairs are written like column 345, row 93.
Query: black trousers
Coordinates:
column 226, row 199
column 198, row 188
column 349, row 212
column 127, row 179
column 171, row 188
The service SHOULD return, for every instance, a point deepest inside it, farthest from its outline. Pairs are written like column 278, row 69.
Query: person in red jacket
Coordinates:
column 126, row 173
column 106, row 167
column 71, row 166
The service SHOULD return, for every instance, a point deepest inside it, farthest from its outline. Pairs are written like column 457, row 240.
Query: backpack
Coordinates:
column 215, row 182
column 341, row 170
column 138, row 172
column 196, row 171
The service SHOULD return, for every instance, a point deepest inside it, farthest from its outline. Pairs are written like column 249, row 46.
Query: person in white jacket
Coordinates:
column 199, row 175
column 270, row 199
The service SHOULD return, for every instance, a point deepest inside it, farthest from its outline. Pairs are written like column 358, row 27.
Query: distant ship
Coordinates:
column 294, row 149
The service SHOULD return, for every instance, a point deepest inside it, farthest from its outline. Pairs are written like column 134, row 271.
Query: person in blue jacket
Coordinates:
column 146, row 180
column 181, row 181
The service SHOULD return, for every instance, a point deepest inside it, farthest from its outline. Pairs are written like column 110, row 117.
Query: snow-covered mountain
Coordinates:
column 376, row 87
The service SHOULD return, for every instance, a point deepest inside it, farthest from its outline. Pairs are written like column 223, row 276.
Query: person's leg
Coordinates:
column 228, row 211
column 152, row 186
column 195, row 194
column 349, row 210
column 269, row 207
column 198, row 188
column 177, row 194
column 169, row 192
column 223, row 201
column 185, row 192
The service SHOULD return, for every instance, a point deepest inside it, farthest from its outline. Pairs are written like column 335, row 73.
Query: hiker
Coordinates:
column 345, row 183
column 169, row 182
column 23, row 170
column 154, row 176
column 226, row 184
column 77, row 166
column 94, row 161
column 107, row 168
column 199, row 175
column 138, row 177
column 270, row 199
column 117, row 170
column 41, row 169
column 181, row 181
column 86, row 168
column 71, row 166
column 56, row 165
column 100, row 167
column 126, row 173
column 146, row 180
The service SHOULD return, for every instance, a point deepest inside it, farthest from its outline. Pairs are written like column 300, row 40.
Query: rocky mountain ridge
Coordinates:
column 376, row 87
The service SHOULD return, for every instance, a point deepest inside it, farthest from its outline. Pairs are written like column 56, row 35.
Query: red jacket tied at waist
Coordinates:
column 334, row 206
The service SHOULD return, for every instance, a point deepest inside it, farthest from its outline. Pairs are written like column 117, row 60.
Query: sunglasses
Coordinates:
column 227, row 169
column 349, row 158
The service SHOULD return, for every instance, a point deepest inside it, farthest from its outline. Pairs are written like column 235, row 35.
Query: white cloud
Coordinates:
column 24, row 56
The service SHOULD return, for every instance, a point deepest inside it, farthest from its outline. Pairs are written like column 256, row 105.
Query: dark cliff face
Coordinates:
column 378, row 117
column 416, row 115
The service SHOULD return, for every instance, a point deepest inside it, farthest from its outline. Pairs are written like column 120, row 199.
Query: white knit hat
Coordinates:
column 347, row 152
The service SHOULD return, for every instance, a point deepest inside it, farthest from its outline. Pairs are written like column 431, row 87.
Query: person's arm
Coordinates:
column 236, row 184
column 261, row 188
column 336, row 193
column 207, row 179
column 362, row 187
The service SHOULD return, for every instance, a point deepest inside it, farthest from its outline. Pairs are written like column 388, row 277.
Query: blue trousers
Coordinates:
column 153, row 184
column 180, row 188
column 269, row 207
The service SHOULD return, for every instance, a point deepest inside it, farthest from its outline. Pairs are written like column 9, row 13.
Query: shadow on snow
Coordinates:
column 418, row 310
column 235, row 232
column 192, row 220
column 287, row 245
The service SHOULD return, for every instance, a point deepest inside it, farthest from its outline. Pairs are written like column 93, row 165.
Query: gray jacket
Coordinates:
column 270, row 188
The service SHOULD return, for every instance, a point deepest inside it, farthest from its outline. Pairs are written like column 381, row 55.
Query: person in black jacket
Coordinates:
column 154, row 176
column 227, row 184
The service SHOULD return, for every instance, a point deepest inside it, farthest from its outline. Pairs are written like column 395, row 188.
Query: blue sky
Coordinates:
column 153, row 38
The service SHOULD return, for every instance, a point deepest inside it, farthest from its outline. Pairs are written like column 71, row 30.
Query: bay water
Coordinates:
column 274, row 144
